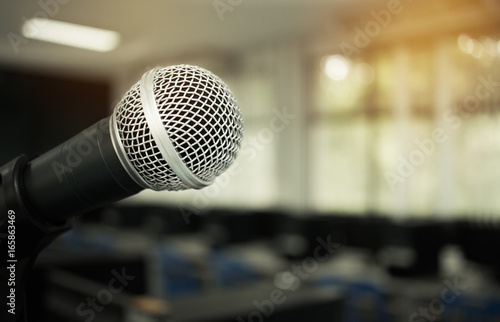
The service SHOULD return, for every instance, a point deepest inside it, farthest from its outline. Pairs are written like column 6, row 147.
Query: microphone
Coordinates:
column 178, row 128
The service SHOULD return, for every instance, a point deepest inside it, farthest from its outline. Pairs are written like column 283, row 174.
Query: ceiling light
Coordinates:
column 336, row 67
column 69, row 34
column 466, row 44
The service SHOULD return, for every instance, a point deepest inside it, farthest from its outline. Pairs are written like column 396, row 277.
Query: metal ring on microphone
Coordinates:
column 122, row 155
column 160, row 135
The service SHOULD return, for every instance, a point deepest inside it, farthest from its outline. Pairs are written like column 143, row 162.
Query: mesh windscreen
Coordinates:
column 199, row 114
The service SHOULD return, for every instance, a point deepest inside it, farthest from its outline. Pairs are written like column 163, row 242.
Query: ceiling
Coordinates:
column 153, row 31
column 160, row 29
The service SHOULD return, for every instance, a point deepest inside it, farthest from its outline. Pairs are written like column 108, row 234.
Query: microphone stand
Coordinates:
column 23, row 235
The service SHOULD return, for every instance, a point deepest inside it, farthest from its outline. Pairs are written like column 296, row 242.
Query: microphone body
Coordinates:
column 78, row 175
column 178, row 128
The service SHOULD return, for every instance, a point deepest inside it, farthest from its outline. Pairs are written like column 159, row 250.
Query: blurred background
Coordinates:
column 366, row 188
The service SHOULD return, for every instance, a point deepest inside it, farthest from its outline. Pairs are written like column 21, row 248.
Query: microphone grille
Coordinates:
column 194, row 112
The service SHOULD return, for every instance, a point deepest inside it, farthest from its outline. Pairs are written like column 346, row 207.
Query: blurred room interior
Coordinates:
column 371, row 127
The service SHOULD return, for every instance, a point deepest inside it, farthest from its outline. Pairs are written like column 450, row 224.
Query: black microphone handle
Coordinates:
column 78, row 175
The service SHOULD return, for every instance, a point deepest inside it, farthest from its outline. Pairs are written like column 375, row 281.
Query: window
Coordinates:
column 412, row 136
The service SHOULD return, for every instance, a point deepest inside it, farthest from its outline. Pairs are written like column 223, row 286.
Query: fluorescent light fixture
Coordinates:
column 69, row 34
